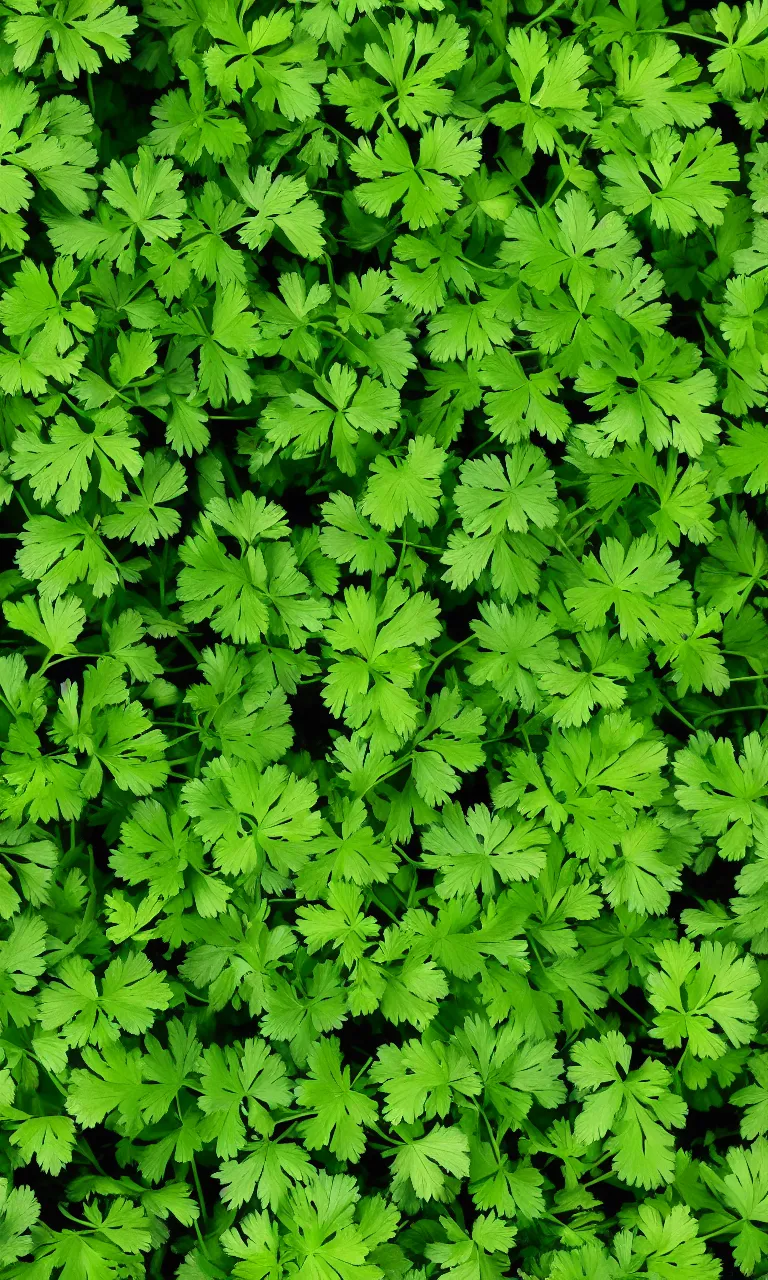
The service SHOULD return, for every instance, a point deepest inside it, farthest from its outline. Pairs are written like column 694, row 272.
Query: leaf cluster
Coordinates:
column 383, row 647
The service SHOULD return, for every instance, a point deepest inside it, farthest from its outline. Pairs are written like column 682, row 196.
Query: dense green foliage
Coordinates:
column 383, row 752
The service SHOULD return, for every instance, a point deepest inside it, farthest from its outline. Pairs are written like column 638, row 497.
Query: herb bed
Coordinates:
column 383, row 763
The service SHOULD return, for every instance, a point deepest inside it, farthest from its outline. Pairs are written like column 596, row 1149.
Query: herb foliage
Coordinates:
column 384, row 659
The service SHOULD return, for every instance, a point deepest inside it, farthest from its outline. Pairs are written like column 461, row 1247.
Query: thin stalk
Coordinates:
column 674, row 711
column 198, row 1188
column 454, row 649
column 725, row 711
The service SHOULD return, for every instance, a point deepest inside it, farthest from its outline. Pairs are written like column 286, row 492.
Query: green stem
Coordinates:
column 620, row 1000
column 384, row 908
column 692, row 35
column 174, row 742
column 191, row 649
column 389, row 1141
column 729, row 1226
column 567, row 549
column 401, row 558
column 454, row 649
column 673, row 709
column 590, row 524
column 542, row 17
column 603, row 1177
column 198, row 1188
column 364, row 1067
column 494, row 1143
column 200, row 1239
column 724, row 711
column 396, row 768
column 525, row 190
column 22, row 504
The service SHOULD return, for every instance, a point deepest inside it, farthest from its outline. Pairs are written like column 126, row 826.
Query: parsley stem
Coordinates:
column 542, row 17
column 201, row 1239
column 80, row 1221
column 398, row 849
column 331, row 328
column 229, row 471
column 22, row 504
column 551, row 199
column 76, row 408
column 527, row 193
column 478, row 266
column 390, row 773
column 198, row 1188
column 54, row 1079
column 590, row 524
column 571, row 515
column 419, row 546
column 566, row 548
column 620, row 1000
column 724, row 711
column 676, row 31
column 673, row 709
column 729, row 1226
column 364, row 1067
column 69, row 657
column 401, row 557
column 192, row 994
column 383, row 908
column 454, row 649
column 294, row 1117
column 86, row 1149
column 191, row 649
column 494, row 1144
column 389, row 1141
